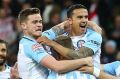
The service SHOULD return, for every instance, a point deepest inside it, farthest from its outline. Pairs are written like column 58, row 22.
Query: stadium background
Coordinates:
column 106, row 13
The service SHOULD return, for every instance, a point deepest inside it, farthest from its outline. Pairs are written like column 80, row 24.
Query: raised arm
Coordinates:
column 95, row 27
column 88, row 49
column 71, row 53
column 65, row 27
column 66, row 49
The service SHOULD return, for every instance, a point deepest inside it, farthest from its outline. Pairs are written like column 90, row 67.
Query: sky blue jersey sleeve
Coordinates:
column 94, row 41
column 111, row 67
column 50, row 34
column 35, row 51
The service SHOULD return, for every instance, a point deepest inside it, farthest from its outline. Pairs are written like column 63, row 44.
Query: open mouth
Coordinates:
column 39, row 30
column 82, row 26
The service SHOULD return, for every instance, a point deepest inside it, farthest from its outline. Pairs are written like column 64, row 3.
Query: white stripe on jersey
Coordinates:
column 75, row 75
column 5, row 74
column 118, row 72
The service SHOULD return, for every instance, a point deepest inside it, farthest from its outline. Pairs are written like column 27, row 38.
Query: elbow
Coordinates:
column 59, row 70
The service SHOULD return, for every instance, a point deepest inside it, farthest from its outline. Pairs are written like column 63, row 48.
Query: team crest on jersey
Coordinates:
column 80, row 43
column 36, row 47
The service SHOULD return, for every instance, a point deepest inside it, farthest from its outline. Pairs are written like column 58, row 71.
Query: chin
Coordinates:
column 2, row 62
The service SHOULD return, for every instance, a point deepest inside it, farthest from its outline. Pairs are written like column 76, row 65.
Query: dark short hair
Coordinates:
column 73, row 7
column 23, row 15
column 4, row 42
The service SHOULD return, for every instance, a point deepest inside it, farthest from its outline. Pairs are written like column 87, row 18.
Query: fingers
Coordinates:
column 15, row 66
column 42, row 40
column 83, row 69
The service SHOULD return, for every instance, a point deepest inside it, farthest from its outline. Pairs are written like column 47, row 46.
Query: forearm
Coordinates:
column 69, row 65
column 63, row 65
column 59, row 29
column 104, row 75
column 73, row 54
column 81, row 53
column 102, row 67
column 95, row 27
column 60, row 49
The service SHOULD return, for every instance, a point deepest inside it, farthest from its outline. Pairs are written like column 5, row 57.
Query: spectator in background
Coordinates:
column 6, row 72
column 49, row 4
column 7, row 30
column 66, row 4
column 26, row 5
column 109, row 53
column 116, row 32
column 118, row 56
column 54, row 18
column 93, row 15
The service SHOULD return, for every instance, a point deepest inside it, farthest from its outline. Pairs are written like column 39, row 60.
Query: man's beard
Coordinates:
column 2, row 59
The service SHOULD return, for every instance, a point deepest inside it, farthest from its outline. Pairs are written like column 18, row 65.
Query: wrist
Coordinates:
column 96, row 72
column 90, row 24
column 53, row 44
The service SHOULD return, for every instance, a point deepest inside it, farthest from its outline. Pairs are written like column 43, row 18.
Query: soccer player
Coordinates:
column 86, row 42
column 108, row 71
column 5, row 70
column 33, row 59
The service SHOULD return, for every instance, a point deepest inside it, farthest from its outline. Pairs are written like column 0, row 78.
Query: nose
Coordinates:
column 39, row 24
column 84, row 19
column 2, row 53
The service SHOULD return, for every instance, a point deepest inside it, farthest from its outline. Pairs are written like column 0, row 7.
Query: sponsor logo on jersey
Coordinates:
column 95, row 42
column 36, row 47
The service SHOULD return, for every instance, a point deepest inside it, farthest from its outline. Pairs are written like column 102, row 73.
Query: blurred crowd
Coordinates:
column 106, row 13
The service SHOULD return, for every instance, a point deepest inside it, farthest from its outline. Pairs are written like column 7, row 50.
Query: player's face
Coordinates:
column 33, row 25
column 79, row 20
column 3, row 52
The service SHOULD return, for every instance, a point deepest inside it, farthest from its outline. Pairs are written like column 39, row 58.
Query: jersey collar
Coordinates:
column 29, row 38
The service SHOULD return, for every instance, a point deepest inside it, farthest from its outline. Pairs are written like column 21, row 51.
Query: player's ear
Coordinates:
column 23, row 25
column 69, row 20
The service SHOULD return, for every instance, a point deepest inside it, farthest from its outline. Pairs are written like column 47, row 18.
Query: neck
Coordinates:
column 33, row 37
column 2, row 67
column 77, row 33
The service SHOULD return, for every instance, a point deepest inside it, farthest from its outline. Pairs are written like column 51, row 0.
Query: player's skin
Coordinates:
column 103, row 75
column 3, row 55
column 32, row 27
column 79, row 18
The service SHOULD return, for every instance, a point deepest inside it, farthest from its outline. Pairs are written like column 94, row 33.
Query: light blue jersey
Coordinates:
column 92, row 40
column 6, row 73
column 113, row 68
column 29, row 57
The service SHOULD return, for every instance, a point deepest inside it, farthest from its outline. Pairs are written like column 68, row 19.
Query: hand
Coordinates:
column 67, row 26
column 14, row 72
column 87, row 69
column 45, row 40
column 95, row 27
column 88, row 61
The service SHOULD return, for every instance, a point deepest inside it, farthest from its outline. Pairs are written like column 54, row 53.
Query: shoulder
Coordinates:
column 113, row 65
column 91, row 34
column 27, row 43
